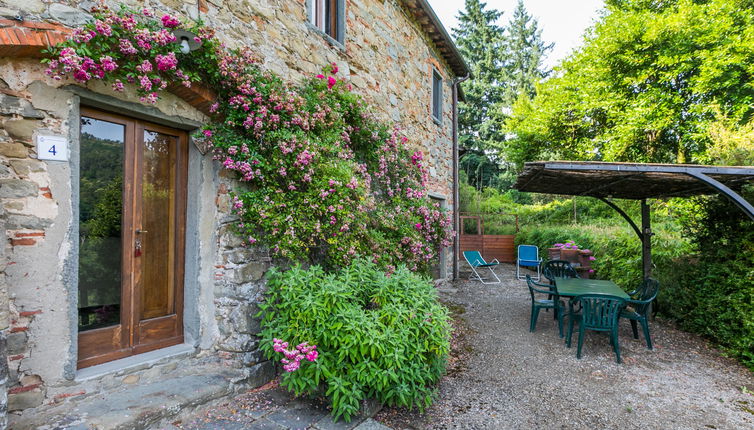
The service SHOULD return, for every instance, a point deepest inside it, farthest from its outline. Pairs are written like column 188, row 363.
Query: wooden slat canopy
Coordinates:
column 634, row 181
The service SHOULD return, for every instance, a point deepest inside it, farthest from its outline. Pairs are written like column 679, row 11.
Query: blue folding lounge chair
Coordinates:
column 475, row 260
column 528, row 256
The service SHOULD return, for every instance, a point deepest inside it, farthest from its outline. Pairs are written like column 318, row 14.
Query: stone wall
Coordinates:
column 28, row 211
column 4, row 324
column 385, row 57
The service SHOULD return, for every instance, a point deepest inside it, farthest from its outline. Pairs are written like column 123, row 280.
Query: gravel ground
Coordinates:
column 502, row 376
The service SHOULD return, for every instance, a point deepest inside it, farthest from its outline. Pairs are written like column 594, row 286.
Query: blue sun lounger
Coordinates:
column 475, row 260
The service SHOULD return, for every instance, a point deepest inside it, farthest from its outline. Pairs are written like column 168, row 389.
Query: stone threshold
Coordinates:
column 135, row 362
column 157, row 389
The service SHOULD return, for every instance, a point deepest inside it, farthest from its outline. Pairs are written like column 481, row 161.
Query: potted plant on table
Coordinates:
column 569, row 251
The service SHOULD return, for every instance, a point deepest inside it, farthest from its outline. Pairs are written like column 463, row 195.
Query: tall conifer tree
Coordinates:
column 525, row 55
column 482, row 42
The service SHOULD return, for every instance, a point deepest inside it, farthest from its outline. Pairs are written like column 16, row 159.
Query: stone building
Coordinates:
column 59, row 348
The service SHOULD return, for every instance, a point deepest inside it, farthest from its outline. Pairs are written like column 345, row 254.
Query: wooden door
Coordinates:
column 132, row 210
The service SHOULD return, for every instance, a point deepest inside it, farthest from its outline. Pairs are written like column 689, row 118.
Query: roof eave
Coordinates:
column 436, row 31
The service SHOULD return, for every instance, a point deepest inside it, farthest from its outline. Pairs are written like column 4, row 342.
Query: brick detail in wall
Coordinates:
column 29, row 38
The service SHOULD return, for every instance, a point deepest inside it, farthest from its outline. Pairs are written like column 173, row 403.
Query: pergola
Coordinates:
column 636, row 181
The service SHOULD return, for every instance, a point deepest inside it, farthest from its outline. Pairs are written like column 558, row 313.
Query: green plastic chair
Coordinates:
column 599, row 312
column 638, row 309
column 559, row 269
column 553, row 302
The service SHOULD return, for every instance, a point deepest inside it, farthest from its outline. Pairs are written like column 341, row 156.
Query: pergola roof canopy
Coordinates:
column 636, row 181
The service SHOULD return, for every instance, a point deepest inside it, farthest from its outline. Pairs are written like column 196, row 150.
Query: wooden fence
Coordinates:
column 491, row 246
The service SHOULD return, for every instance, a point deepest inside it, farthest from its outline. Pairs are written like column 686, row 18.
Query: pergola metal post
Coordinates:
column 646, row 240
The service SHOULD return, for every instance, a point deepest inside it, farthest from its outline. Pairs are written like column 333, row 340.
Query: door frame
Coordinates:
column 126, row 339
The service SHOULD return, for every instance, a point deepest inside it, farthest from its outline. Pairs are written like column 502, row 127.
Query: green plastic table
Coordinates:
column 572, row 287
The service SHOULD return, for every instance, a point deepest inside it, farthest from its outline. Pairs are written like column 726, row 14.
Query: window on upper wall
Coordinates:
column 328, row 16
column 436, row 96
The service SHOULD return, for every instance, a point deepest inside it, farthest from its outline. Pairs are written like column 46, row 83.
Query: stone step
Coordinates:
column 137, row 406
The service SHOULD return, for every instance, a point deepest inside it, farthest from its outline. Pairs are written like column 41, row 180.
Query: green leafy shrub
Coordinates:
column 712, row 292
column 378, row 336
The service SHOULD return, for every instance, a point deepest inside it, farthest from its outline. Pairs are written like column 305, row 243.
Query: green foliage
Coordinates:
column 712, row 293
column 326, row 180
column 649, row 81
column 100, row 206
column 525, row 53
column 481, row 41
column 378, row 336
column 506, row 64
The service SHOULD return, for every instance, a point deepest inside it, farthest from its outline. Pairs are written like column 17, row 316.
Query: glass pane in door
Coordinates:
column 100, row 220
column 158, row 225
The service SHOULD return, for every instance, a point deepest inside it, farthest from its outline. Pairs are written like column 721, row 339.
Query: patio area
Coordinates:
column 502, row 376
column 508, row 377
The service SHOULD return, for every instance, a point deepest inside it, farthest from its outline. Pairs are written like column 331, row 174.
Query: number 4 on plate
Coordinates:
column 52, row 148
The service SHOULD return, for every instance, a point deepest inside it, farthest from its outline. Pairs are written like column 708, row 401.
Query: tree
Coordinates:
column 482, row 43
column 646, row 86
column 526, row 51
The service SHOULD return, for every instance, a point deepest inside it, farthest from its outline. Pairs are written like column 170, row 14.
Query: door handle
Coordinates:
column 140, row 231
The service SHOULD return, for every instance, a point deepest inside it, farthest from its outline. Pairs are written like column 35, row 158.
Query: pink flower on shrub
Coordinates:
column 304, row 158
column 166, row 62
column 81, row 75
column 80, row 35
column 145, row 82
column 170, row 21
column 150, row 98
column 207, row 133
column 117, row 85
column 108, row 64
column 126, row 47
column 331, row 82
column 163, row 37
column 103, row 28
column 293, row 357
column 144, row 67
column 320, row 76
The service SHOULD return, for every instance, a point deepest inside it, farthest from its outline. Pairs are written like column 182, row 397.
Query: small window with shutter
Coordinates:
column 436, row 96
column 328, row 17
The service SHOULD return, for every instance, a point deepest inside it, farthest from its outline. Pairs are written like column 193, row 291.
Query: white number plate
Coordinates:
column 52, row 148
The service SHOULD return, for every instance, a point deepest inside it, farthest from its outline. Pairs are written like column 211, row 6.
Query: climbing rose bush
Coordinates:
column 126, row 47
column 319, row 177
column 325, row 180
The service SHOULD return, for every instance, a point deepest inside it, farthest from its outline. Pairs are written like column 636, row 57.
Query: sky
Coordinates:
column 562, row 21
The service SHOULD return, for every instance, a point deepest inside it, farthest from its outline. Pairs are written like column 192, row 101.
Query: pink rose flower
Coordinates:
column 170, row 21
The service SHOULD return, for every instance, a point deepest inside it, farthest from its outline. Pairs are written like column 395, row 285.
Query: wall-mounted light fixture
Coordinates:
column 186, row 40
